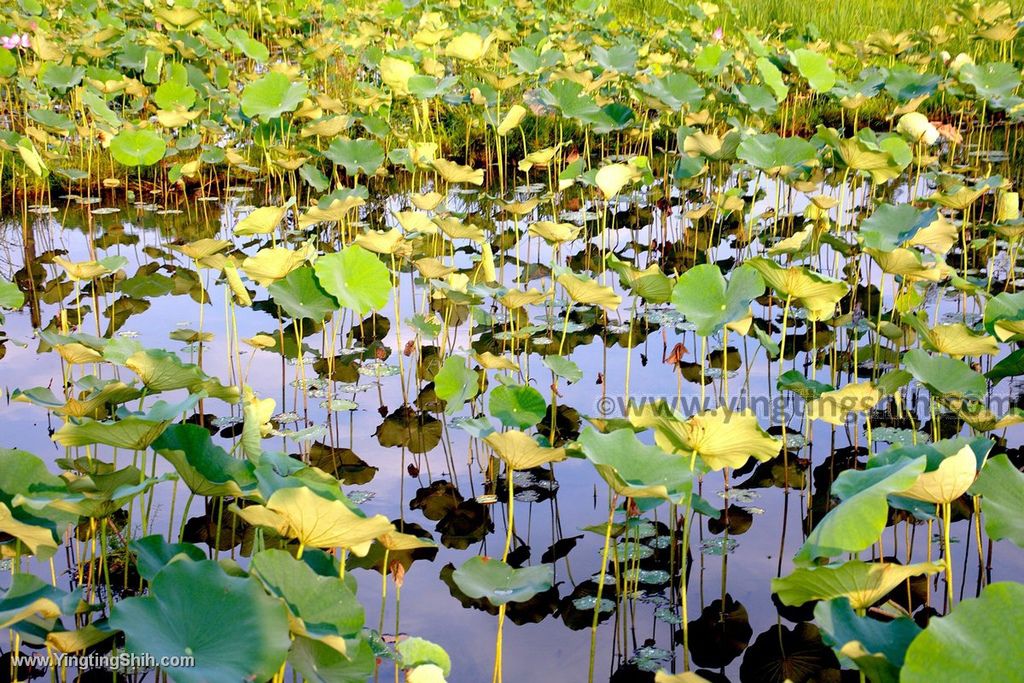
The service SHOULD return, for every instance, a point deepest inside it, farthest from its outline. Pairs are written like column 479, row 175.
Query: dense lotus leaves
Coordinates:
column 134, row 431
column 976, row 631
column 499, row 583
column 710, row 302
column 1001, row 487
column 185, row 613
column 95, row 495
column 204, row 467
column 877, row 647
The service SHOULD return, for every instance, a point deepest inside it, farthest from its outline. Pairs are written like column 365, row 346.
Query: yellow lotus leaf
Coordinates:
column 427, row 201
column 520, row 451
column 176, row 118
column 907, row 263
column 590, row 292
column 260, row 341
column 78, row 354
column 520, row 208
column 238, row 289
column 863, row 583
column 703, row 144
column 948, row 481
column 542, row 157
column 938, row 237
column 81, row 270
column 456, row 229
column 958, row 340
column 432, row 268
column 468, row 46
column 457, row 282
column 262, row 221
column 396, row 540
column 487, row 269
column 396, row 74
column 490, row 361
column 835, row 406
column 273, row 263
column 297, row 512
column 425, row 673
column 38, row 539
column 555, row 233
column 794, row 243
column 423, row 153
column 335, row 213
column 721, row 437
column 414, row 221
column 514, row 298
column 612, row 178
column 383, row 242
column 813, row 291
column 457, row 173
column 513, row 117
column 326, row 127
column 740, row 325
column 1007, row 329
column 961, row 199
column 1008, row 208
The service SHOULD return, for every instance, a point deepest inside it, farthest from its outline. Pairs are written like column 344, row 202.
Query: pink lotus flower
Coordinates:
column 14, row 41
column 718, row 34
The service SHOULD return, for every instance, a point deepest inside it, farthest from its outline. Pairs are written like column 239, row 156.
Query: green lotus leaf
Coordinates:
column 992, row 80
column 710, row 302
column 878, row 648
column 499, row 583
column 776, row 155
column 61, row 77
column 10, row 296
column 517, row 406
column 355, row 277
column 205, row 468
column 271, row 96
column 300, row 295
column 175, row 91
column 356, row 156
column 1004, row 316
column 1001, row 487
column 971, row 642
column 323, row 608
column 418, row 652
column 232, row 629
column 862, row 583
column 153, row 553
column 860, row 518
column 321, row 663
column 675, row 90
column 564, row 368
column 892, row 226
column 945, row 376
column 455, row 383
column 636, row 470
column 96, row 495
column 138, row 147
column 815, row 68
column 807, row 389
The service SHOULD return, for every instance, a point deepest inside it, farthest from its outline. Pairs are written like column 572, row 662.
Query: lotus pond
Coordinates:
column 508, row 341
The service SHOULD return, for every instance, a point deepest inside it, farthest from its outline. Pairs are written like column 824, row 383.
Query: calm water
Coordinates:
column 437, row 489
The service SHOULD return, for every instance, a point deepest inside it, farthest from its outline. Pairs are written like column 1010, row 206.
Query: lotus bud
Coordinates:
column 918, row 128
column 1009, row 207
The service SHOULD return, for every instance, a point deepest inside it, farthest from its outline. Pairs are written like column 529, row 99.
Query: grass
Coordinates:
column 833, row 20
